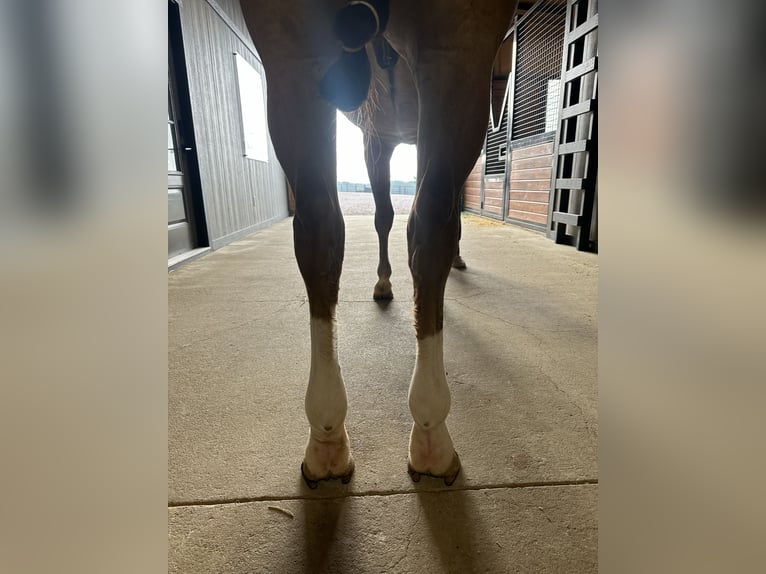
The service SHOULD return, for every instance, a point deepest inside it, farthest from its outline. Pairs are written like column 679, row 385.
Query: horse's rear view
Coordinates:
column 449, row 46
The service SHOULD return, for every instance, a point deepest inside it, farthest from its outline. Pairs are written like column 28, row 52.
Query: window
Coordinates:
column 253, row 110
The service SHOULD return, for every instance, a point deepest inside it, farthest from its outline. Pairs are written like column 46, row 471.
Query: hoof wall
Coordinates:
column 449, row 477
column 382, row 296
column 346, row 478
column 313, row 483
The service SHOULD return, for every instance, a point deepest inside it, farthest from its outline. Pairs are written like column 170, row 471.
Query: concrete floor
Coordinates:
column 520, row 353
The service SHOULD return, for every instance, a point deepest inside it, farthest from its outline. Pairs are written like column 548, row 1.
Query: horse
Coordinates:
column 388, row 117
column 314, row 60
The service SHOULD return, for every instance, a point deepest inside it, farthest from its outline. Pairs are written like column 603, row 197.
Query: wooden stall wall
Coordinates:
column 240, row 194
column 472, row 188
column 530, row 183
column 493, row 197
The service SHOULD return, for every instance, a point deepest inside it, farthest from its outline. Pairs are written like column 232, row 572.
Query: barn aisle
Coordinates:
column 520, row 354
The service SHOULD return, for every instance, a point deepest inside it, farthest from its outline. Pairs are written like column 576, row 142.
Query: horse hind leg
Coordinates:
column 458, row 262
column 377, row 156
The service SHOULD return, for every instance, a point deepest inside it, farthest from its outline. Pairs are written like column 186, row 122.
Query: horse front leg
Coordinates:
column 328, row 452
column 319, row 237
column 454, row 106
column 432, row 242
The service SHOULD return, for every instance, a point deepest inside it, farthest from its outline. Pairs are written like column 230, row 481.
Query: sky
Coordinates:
column 351, row 165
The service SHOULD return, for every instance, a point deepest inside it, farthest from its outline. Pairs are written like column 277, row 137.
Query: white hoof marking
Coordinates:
column 327, row 452
column 431, row 449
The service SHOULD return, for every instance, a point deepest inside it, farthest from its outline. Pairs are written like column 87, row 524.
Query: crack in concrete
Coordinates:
column 529, row 330
column 570, row 400
column 496, row 318
column 409, row 540
column 511, row 323
column 469, row 296
column 371, row 493
column 548, row 518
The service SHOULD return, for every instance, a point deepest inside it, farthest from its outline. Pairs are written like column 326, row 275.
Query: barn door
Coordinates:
column 180, row 236
column 186, row 225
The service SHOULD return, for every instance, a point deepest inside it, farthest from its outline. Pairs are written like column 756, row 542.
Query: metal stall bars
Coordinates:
column 534, row 104
column 574, row 182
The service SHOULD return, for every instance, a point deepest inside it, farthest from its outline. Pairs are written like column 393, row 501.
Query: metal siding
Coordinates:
column 240, row 194
column 234, row 12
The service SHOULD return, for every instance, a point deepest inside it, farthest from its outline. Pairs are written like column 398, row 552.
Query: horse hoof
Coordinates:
column 312, row 484
column 453, row 471
column 449, row 477
column 458, row 262
column 414, row 474
column 346, row 478
column 382, row 296
column 382, row 290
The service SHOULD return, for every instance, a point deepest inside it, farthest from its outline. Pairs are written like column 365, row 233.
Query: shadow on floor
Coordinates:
column 320, row 534
column 458, row 531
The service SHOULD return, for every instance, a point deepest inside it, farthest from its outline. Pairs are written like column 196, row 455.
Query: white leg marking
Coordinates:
column 327, row 452
column 326, row 394
column 429, row 396
column 431, row 449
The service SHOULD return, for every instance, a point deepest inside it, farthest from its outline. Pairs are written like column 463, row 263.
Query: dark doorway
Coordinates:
column 186, row 224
